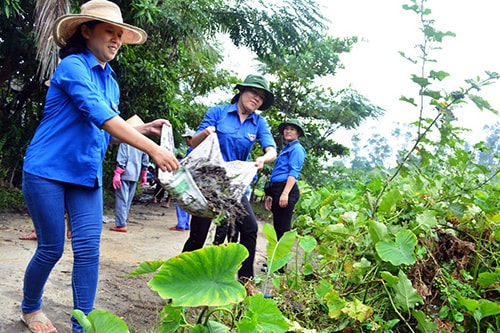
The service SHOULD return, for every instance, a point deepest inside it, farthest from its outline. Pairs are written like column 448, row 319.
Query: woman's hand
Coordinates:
column 268, row 203
column 153, row 127
column 165, row 160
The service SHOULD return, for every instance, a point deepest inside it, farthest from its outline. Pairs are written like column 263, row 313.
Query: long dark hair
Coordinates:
column 76, row 43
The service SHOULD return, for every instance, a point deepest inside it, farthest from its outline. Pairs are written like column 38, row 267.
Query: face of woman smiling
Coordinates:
column 104, row 41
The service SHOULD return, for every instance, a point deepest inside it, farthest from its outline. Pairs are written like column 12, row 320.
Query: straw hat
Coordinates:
column 134, row 121
column 100, row 10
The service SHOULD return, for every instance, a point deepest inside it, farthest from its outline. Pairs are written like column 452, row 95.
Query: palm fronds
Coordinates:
column 46, row 12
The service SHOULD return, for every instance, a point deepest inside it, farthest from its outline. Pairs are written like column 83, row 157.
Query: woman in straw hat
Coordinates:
column 63, row 163
column 238, row 128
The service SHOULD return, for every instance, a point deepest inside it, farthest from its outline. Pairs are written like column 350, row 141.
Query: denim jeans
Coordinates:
column 47, row 201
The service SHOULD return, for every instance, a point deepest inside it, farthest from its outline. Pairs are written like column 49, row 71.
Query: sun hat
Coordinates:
column 188, row 133
column 134, row 121
column 258, row 81
column 294, row 122
column 100, row 10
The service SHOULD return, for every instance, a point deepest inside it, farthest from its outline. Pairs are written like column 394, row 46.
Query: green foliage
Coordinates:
column 211, row 269
column 100, row 321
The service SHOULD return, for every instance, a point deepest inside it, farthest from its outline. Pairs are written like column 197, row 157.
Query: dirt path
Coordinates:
column 148, row 239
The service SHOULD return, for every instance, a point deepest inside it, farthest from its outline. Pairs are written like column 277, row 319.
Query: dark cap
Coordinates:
column 258, row 81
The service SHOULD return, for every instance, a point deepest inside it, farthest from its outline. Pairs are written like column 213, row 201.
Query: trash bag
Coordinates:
column 207, row 186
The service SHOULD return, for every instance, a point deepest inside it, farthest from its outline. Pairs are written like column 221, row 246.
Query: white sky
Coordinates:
column 377, row 71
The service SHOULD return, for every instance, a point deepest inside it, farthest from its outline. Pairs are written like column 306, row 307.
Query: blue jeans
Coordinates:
column 47, row 200
column 183, row 218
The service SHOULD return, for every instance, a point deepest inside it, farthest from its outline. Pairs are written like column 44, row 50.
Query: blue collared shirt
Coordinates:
column 289, row 162
column 236, row 139
column 69, row 144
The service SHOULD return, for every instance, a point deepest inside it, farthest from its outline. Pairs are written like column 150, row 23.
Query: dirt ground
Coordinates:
column 128, row 297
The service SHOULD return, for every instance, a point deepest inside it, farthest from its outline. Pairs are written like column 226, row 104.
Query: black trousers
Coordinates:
column 247, row 231
column 282, row 217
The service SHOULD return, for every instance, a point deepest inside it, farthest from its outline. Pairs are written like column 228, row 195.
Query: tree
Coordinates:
column 179, row 65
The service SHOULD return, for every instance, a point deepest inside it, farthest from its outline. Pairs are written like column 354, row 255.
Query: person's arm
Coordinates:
column 135, row 137
column 201, row 136
column 290, row 181
column 268, row 157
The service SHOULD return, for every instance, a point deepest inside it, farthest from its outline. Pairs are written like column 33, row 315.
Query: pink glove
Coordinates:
column 144, row 177
column 117, row 182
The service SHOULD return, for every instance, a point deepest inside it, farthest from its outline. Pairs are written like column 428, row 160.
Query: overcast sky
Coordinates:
column 376, row 69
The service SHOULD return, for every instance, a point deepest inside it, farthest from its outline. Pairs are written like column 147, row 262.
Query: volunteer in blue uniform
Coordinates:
column 63, row 164
column 238, row 128
column 283, row 192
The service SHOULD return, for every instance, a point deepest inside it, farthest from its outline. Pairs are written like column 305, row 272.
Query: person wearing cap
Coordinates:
column 282, row 191
column 183, row 217
column 63, row 166
column 238, row 128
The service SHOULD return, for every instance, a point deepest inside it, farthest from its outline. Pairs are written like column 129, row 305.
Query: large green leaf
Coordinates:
column 399, row 252
column 203, row 277
column 406, row 296
column 262, row 315
column 278, row 252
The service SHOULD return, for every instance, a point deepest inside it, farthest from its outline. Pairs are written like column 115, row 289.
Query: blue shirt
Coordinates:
column 69, row 144
column 289, row 162
column 236, row 139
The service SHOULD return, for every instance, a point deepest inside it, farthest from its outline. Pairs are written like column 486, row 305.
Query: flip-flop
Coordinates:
column 29, row 236
column 41, row 318
column 119, row 229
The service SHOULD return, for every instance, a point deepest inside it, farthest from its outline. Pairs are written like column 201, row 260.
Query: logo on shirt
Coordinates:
column 251, row 137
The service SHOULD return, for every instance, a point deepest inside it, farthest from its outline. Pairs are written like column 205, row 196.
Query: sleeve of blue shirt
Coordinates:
column 296, row 162
column 75, row 77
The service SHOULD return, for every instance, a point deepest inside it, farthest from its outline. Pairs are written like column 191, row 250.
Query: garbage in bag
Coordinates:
column 207, row 186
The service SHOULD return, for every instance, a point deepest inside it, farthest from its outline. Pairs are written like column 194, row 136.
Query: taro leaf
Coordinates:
column 172, row 318
column 390, row 201
column 308, row 243
column 389, row 278
column 357, row 310
column 337, row 229
column 335, row 303
column 278, row 252
column 377, row 230
column 400, row 251
column 406, row 296
column 100, row 321
column 202, row 277
column 425, row 325
column 262, row 315
column 147, row 267
column 426, row 220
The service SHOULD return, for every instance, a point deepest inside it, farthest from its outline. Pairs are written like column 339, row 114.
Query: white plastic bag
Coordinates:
column 187, row 193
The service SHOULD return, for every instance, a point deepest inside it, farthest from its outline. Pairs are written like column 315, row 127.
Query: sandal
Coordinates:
column 40, row 317
column 29, row 236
